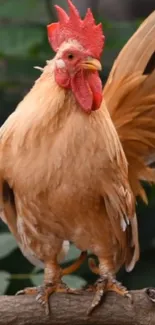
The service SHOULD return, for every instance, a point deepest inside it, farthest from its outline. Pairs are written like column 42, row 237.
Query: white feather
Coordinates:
column 60, row 64
column 36, row 262
column 135, row 242
column 39, row 68
column 123, row 224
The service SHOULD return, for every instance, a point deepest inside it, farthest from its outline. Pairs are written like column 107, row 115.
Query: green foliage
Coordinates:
column 4, row 278
column 7, row 244
column 21, row 41
column 29, row 10
column 23, row 45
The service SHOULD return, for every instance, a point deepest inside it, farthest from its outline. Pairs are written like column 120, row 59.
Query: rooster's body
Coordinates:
column 60, row 199
column 63, row 171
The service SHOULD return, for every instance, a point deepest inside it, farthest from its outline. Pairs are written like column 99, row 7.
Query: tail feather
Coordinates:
column 133, row 258
column 130, row 97
column 137, row 52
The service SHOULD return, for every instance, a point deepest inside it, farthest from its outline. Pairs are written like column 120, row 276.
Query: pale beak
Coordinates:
column 91, row 64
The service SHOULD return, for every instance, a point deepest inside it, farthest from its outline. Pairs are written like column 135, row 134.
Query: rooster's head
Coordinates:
column 79, row 45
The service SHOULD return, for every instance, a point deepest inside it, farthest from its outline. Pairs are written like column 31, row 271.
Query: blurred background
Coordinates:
column 23, row 45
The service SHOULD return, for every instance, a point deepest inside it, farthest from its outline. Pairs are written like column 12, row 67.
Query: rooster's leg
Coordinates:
column 106, row 282
column 53, row 283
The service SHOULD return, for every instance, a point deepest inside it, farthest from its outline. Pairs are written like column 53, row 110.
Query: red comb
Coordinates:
column 86, row 32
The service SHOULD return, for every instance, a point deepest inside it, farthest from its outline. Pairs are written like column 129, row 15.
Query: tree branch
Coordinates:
column 71, row 309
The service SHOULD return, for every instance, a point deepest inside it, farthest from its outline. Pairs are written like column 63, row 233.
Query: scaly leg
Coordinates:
column 106, row 282
column 53, row 283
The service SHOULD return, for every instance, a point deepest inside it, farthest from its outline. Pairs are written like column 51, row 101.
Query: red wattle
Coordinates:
column 96, row 88
column 82, row 91
column 87, row 89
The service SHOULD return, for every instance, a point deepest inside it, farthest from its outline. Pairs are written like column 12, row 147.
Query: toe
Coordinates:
column 100, row 290
column 96, row 301
column 27, row 291
column 114, row 285
column 43, row 300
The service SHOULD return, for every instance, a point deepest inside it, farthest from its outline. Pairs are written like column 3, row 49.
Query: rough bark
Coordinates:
column 71, row 309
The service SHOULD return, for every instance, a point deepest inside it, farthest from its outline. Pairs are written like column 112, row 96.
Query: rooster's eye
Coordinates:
column 70, row 56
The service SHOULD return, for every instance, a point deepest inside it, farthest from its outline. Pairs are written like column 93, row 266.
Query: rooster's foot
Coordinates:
column 104, row 284
column 44, row 292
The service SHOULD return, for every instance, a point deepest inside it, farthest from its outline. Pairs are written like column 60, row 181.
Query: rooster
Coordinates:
column 64, row 175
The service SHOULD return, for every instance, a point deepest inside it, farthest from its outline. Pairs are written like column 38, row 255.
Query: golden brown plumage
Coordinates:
column 129, row 94
column 58, row 126
column 69, row 176
column 130, row 97
column 63, row 172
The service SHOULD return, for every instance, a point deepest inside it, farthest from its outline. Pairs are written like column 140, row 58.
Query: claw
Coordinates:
column 103, row 285
column 43, row 299
column 27, row 291
column 74, row 291
column 129, row 296
column 20, row 292
column 45, row 291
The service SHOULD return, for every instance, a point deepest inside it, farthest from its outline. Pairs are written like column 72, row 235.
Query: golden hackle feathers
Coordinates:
column 130, row 97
